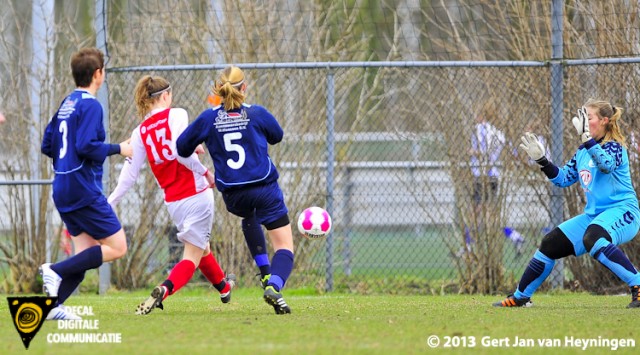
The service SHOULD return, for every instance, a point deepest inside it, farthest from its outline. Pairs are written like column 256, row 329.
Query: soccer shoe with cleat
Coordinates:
column 154, row 301
column 512, row 301
column 635, row 297
column 50, row 280
column 231, row 280
column 274, row 298
column 264, row 281
column 61, row 313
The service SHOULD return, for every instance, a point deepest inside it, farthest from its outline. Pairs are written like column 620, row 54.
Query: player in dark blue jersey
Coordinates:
column 611, row 216
column 74, row 139
column 237, row 136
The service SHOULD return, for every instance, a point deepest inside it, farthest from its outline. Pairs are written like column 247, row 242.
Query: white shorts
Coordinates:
column 194, row 218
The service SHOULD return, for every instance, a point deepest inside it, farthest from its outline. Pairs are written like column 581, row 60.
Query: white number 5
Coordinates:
column 232, row 147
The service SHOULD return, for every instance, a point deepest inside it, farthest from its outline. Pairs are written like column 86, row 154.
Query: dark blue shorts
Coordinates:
column 264, row 201
column 98, row 220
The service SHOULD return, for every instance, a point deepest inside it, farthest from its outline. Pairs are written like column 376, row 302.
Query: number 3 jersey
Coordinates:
column 154, row 141
column 238, row 142
column 74, row 139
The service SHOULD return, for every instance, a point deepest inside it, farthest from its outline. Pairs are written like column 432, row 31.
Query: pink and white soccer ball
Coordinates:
column 314, row 223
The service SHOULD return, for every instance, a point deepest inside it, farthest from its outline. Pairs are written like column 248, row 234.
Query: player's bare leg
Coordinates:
column 114, row 247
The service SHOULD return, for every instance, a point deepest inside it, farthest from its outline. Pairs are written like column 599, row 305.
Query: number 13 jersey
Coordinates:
column 155, row 139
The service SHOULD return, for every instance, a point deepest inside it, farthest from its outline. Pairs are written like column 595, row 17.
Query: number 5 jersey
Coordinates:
column 238, row 143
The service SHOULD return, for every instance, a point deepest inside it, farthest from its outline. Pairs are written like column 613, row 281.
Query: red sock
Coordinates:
column 181, row 274
column 211, row 269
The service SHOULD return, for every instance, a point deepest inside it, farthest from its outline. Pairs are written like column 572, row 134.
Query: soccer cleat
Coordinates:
column 154, row 301
column 635, row 297
column 512, row 301
column 61, row 313
column 274, row 298
column 50, row 280
column 231, row 280
column 264, row 281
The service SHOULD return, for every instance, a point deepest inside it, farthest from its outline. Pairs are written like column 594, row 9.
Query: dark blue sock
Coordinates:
column 68, row 285
column 534, row 275
column 281, row 266
column 614, row 259
column 262, row 261
column 86, row 260
column 254, row 237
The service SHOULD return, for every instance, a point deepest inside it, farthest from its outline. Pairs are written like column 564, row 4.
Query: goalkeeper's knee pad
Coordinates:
column 555, row 245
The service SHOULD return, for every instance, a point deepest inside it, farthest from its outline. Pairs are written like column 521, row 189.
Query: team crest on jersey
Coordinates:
column 586, row 177
column 231, row 121
column 225, row 117
column 68, row 104
column 67, row 108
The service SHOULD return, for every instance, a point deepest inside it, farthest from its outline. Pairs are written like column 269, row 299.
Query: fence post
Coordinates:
column 42, row 23
column 557, row 98
column 330, row 166
column 347, row 220
column 100, row 24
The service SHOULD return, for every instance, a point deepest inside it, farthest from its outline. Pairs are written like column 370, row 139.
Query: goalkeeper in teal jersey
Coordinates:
column 611, row 216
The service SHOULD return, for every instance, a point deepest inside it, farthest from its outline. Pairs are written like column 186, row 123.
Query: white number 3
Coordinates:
column 63, row 129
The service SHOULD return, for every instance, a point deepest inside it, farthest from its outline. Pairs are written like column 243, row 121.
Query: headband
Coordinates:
column 160, row 91
column 233, row 84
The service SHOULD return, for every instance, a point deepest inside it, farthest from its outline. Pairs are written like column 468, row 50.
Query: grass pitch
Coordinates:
column 196, row 322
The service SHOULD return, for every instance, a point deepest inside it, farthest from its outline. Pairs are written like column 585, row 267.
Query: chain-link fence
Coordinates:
column 387, row 147
column 390, row 152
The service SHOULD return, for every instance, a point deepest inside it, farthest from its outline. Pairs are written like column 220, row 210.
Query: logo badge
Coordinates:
column 585, row 175
column 28, row 314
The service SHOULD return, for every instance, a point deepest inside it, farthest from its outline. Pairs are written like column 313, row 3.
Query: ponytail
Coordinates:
column 229, row 88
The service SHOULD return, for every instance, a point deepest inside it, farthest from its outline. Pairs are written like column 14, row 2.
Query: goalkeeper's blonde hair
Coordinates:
column 230, row 87
column 603, row 109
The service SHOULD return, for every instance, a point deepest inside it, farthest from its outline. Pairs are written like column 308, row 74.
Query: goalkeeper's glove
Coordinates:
column 581, row 123
column 532, row 146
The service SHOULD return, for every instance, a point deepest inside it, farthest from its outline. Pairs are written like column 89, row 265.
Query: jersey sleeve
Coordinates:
column 47, row 144
column 46, row 147
column 567, row 175
column 194, row 134
column 130, row 169
column 272, row 130
column 89, row 144
column 607, row 157
column 178, row 122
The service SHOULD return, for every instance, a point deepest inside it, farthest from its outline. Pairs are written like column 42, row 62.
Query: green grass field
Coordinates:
column 195, row 322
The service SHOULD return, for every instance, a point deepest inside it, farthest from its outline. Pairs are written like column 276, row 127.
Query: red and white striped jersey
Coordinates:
column 154, row 140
